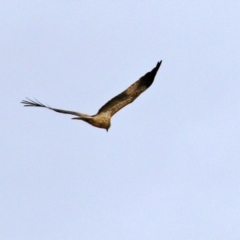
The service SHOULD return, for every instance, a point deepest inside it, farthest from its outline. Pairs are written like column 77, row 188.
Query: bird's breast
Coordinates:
column 100, row 121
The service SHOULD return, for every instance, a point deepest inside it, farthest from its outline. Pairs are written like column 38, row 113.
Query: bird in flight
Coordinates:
column 103, row 117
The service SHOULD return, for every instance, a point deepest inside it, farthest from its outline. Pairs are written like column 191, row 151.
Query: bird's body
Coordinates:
column 98, row 120
column 103, row 118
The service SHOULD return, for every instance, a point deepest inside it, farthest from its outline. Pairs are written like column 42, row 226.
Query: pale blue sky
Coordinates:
column 169, row 167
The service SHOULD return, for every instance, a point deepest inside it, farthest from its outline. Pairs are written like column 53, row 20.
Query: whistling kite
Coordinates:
column 103, row 118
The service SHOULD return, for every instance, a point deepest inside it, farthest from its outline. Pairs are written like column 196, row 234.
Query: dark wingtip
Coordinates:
column 27, row 102
column 31, row 103
column 158, row 65
column 155, row 70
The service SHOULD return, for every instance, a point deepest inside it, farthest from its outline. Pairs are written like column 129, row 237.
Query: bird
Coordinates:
column 103, row 117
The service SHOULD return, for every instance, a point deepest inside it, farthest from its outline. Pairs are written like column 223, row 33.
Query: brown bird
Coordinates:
column 103, row 118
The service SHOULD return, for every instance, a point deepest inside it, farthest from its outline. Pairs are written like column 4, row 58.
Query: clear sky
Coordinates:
column 169, row 167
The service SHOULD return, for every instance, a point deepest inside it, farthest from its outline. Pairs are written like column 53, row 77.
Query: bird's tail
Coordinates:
column 82, row 116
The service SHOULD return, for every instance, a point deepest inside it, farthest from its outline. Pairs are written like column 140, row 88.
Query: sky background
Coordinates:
column 169, row 167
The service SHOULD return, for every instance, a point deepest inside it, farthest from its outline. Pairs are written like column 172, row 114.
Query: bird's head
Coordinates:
column 109, row 125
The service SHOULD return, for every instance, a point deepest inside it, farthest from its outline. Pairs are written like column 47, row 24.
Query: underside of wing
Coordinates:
column 31, row 103
column 130, row 94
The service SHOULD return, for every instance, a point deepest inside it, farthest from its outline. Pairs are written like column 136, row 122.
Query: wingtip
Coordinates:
column 159, row 63
column 157, row 66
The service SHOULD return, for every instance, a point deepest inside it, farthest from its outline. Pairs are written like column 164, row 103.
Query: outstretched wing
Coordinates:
column 130, row 94
column 31, row 103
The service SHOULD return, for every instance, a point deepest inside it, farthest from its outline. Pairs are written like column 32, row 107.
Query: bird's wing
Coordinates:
column 130, row 94
column 31, row 103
